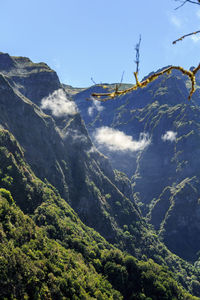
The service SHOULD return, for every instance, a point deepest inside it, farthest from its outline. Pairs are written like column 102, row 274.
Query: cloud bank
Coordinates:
column 96, row 105
column 169, row 136
column 59, row 104
column 116, row 140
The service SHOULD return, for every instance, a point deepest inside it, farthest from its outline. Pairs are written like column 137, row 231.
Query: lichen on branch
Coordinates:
column 185, row 35
column 112, row 95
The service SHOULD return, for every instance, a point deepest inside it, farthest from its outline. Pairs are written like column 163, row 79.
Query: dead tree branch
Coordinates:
column 137, row 59
column 183, row 2
column 191, row 74
column 185, row 35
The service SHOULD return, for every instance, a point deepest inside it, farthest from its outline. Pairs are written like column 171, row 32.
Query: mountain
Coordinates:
column 63, row 154
column 52, row 254
column 32, row 80
column 165, row 174
column 61, row 184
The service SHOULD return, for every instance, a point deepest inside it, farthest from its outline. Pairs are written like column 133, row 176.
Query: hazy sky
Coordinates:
column 81, row 39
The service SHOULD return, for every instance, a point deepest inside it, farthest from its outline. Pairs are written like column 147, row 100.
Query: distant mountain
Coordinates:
column 45, row 154
column 165, row 174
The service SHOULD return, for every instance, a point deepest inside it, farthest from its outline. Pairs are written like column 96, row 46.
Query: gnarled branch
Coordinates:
column 111, row 95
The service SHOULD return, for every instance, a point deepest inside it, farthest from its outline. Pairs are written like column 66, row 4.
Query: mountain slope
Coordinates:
column 32, row 80
column 54, row 255
column 172, row 158
column 63, row 157
column 59, row 151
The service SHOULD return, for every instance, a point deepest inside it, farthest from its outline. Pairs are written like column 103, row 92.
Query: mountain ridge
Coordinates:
column 172, row 122
column 59, row 151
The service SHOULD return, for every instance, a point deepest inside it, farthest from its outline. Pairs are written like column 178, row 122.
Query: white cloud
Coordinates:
column 169, row 136
column 116, row 140
column 195, row 38
column 176, row 21
column 59, row 104
column 96, row 105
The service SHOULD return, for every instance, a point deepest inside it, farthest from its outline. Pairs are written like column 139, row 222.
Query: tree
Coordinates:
column 190, row 73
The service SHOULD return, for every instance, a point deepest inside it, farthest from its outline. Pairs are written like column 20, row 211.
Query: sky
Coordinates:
column 81, row 39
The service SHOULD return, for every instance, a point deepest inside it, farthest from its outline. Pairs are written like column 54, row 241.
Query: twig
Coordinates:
column 184, row 2
column 137, row 59
column 93, row 80
column 184, row 36
column 187, row 1
column 122, row 77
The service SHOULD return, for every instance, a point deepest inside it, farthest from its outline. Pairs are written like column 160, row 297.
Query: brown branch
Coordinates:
column 185, row 35
column 191, row 74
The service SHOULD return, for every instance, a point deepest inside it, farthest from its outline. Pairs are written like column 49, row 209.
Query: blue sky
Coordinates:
column 81, row 39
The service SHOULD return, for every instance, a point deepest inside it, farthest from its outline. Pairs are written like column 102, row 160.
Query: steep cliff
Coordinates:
column 170, row 161
column 59, row 151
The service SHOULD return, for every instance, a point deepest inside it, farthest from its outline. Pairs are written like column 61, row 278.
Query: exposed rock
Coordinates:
column 163, row 111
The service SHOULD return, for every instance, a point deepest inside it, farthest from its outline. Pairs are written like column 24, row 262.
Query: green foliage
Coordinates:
column 6, row 194
column 53, row 255
column 33, row 266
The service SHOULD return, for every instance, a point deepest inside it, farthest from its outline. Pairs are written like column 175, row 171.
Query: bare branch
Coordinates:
column 122, row 77
column 137, row 59
column 183, row 2
column 184, row 36
column 194, row 2
column 93, row 81
column 191, row 74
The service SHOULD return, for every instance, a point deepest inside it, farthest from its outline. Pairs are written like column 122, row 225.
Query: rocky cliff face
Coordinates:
column 60, row 152
column 169, row 162
column 167, row 165
column 34, row 81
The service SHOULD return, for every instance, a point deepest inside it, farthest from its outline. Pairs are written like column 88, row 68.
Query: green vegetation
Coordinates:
column 51, row 254
column 33, row 265
column 46, row 250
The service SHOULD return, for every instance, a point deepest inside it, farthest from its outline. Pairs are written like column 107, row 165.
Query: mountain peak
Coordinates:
column 6, row 62
column 34, row 80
